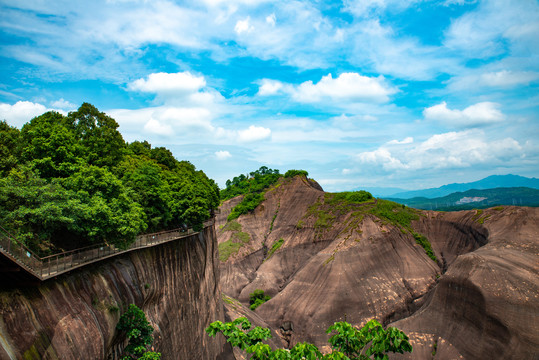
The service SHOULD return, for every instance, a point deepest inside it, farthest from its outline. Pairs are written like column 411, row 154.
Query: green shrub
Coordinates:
column 257, row 298
column 292, row 173
column 372, row 341
column 138, row 331
column 249, row 203
column 276, row 246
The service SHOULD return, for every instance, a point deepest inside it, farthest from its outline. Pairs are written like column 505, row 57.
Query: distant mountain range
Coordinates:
column 475, row 199
column 491, row 182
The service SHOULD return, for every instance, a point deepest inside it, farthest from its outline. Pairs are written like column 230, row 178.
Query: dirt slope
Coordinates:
column 348, row 264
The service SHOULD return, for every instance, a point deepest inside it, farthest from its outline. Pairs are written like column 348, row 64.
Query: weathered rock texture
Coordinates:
column 74, row 316
column 481, row 294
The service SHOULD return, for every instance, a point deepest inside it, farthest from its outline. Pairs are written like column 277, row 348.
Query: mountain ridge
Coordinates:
column 490, row 182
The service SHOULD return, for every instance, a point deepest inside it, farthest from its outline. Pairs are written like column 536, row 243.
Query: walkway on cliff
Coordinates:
column 20, row 258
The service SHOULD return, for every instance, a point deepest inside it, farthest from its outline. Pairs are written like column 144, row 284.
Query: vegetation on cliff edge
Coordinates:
column 71, row 181
column 253, row 187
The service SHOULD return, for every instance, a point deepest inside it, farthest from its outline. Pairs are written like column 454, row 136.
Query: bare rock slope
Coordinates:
column 323, row 260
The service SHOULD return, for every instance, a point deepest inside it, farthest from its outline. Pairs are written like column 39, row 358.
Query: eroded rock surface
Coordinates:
column 481, row 292
column 74, row 316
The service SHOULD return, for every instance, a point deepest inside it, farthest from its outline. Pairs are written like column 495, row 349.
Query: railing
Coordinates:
column 56, row 264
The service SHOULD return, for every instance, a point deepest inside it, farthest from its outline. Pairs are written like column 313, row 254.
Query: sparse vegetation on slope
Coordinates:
column 237, row 240
column 359, row 204
column 253, row 188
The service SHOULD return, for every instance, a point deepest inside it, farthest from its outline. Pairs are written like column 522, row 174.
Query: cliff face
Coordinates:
column 74, row 316
column 479, row 294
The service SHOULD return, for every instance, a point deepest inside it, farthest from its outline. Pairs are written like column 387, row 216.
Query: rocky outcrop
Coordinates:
column 74, row 316
column 487, row 304
column 480, row 293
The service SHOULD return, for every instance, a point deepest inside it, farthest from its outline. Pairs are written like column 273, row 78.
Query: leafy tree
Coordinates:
column 50, row 145
column 110, row 213
column 97, row 132
column 35, row 210
column 257, row 298
column 256, row 182
column 138, row 332
column 10, row 147
column 348, row 343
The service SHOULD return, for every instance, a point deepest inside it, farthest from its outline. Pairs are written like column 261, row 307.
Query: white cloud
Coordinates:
column 254, row 133
column 507, row 78
column 482, row 113
column 347, row 87
column 222, row 154
column 381, row 157
column 21, row 112
column 243, row 26
column 166, row 83
column 156, row 127
column 515, row 30
column 270, row 87
column 271, row 19
column 407, row 140
column 350, row 86
column 63, row 104
column 462, row 149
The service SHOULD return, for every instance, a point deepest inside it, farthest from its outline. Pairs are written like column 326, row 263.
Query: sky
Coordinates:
column 360, row 93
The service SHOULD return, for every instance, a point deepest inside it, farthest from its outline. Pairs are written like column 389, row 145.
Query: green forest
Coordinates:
column 72, row 181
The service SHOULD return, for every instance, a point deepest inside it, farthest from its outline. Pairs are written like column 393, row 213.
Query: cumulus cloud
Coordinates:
column 270, row 87
column 254, row 133
column 63, row 104
column 169, row 83
column 21, row 112
column 222, row 155
column 351, row 86
column 156, row 127
column 243, row 26
column 462, row 149
column 346, row 87
column 482, row 113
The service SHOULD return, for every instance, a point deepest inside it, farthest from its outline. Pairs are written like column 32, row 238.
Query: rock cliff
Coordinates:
column 74, row 316
column 324, row 262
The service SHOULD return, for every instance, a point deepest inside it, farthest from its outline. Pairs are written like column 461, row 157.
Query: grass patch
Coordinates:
column 299, row 225
column 276, row 246
column 394, row 213
column 425, row 244
column 242, row 236
column 228, row 248
column 232, row 226
column 324, row 220
column 498, row 208
column 477, row 214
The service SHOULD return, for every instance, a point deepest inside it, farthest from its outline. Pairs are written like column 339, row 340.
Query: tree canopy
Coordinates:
column 71, row 181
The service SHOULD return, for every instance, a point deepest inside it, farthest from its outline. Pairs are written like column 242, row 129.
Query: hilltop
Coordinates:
column 446, row 279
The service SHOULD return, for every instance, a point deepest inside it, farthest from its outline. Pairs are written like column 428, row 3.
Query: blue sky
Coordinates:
column 388, row 93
